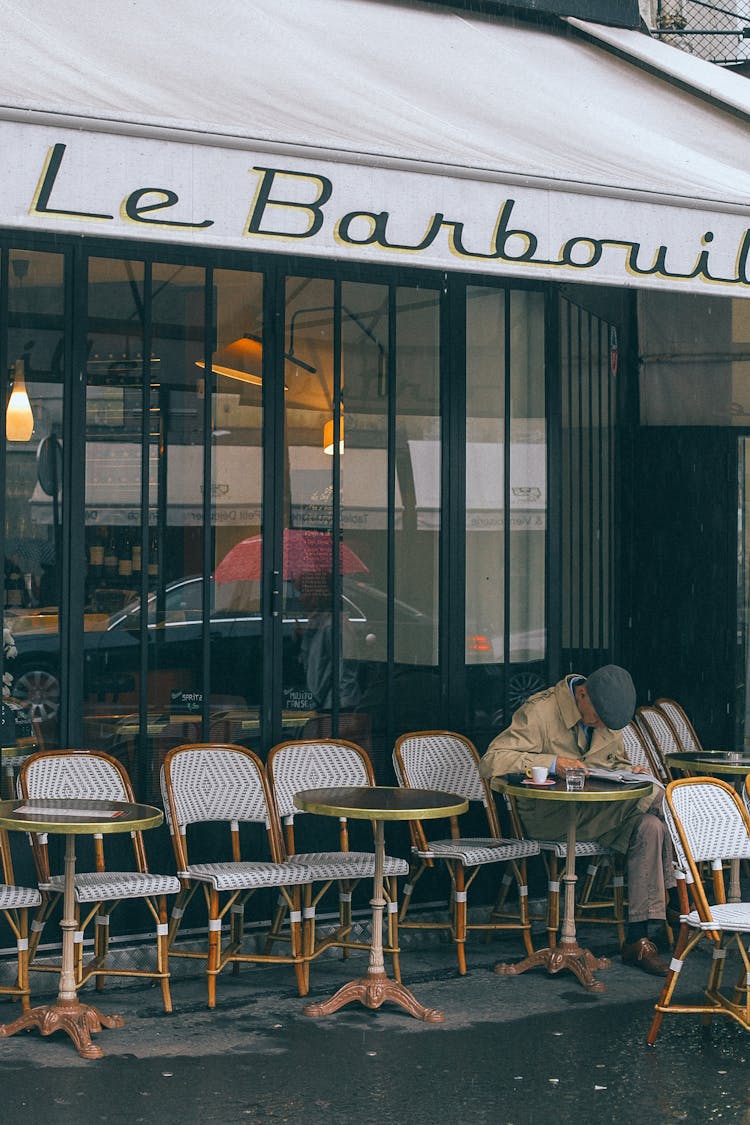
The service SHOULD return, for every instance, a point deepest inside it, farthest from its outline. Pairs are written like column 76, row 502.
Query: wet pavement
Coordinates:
column 512, row 1051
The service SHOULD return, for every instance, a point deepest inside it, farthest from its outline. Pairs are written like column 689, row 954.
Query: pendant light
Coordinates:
column 19, row 417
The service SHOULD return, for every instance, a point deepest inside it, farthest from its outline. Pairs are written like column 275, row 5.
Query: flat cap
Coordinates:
column 612, row 692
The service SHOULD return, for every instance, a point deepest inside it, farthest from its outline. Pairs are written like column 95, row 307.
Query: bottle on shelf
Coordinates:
column 125, row 556
column 110, row 556
column 136, row 556
column 96, row 553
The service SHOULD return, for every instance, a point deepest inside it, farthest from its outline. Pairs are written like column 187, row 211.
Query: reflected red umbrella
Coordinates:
column 305, row 552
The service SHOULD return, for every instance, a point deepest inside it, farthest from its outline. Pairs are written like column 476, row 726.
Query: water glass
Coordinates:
column 574, row 780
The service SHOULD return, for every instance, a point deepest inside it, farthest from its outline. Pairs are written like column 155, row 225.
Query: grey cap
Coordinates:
column 612, row 692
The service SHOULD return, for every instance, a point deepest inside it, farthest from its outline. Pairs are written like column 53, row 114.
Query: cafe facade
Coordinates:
column 370, row 366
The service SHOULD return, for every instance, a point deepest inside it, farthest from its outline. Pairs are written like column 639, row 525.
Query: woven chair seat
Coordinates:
column 17, row 898
column 473, row 851
column 733, row 916
column 250, row 875
column 98, row 886
column 349, row 865
column 583, row 848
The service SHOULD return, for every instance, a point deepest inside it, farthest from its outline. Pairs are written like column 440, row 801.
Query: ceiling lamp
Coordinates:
column 328, row 437
column 243, row 360
column 19, row 417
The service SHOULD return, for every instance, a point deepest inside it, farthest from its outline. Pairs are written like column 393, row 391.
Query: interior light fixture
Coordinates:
column 243, row 360
column 19, row 417
column 328, row 445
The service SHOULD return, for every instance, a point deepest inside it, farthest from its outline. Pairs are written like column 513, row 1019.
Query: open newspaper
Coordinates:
column 623, row 776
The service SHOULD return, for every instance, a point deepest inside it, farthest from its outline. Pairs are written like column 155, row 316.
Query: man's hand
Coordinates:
column 564, row 764
column 640, row 769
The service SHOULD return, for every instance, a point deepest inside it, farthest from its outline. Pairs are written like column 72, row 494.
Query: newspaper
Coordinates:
column 622, row 776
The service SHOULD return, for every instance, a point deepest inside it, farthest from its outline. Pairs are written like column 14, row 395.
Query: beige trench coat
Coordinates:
column 547, row 726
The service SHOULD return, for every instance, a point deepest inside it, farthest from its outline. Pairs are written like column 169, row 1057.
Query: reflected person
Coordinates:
column 316, row 650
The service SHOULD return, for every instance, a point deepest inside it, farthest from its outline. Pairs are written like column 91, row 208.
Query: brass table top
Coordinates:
column 77, row 817
column 381, row 802
column 594, row 789
column 711, row 761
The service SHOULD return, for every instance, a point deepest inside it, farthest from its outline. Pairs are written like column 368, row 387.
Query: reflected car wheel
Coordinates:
column 41, row 690
column 521, row 686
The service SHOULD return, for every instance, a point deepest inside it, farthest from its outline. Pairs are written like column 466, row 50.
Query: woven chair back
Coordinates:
column 681, row 725
column 710, row 815
column 75, row 774
column 635, row 748
column 309, row 764
column 439, row 760
column 211, row 782
column 657, row 730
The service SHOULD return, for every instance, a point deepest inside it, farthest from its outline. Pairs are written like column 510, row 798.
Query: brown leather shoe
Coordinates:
column 642, row 954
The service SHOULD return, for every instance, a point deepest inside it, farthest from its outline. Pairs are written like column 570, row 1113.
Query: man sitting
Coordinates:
column 576, row 724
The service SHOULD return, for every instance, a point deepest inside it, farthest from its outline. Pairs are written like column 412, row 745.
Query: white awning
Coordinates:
column 379, row 132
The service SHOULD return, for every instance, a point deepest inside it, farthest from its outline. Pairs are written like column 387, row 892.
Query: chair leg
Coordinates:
column 302, row 941
column 459, row 917
column 523, row 906
column 274, row 934
column 409, row 885
column 101, row 942
column 214, row 945
column 392, row 896
column 23, row 959
column 237, row 931
column 162, row 953
column 684, row 945
column 345, row 913
column 553, row 901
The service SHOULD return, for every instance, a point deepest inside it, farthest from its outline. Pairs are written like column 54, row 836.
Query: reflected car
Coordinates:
column 175, row 639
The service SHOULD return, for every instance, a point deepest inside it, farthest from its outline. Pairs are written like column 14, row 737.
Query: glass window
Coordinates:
column 506, row 503
column 33, row 498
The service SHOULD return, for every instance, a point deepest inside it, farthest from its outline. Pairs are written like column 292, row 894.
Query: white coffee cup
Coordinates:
column 538, row 774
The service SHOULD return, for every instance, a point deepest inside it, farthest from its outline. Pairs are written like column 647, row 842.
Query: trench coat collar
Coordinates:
column 572, row 716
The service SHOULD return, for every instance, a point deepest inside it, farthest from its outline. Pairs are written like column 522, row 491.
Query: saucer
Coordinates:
column 539, row 784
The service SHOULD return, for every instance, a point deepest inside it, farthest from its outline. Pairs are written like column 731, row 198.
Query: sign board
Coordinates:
column 147, row 188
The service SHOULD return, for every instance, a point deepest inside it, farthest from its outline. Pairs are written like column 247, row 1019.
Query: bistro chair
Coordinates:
column 443, row 760
column 15, row 903
column 213, row 783
column 660, row 736
column 640, row 751
column 310, row 764
column 681, row 726
column 708, row 824
column 94, row 775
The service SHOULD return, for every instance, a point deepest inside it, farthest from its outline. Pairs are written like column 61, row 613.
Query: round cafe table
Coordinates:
column 72, row 818
column 568, row 954
column 379, row 803
column 718, row 763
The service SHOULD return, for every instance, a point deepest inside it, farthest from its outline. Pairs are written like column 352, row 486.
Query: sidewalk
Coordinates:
column 512, row 1051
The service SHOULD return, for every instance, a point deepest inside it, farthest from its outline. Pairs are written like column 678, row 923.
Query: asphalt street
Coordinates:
column 512, row 1051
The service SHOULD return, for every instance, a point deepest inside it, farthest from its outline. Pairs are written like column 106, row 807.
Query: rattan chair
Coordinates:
column 94, row 775
column 708, row 823
column 681, row 725
column 443, row 760
column 640, row 751
column 15, row 903
column 315, row 764
column 210, row 783
column 660, row 736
